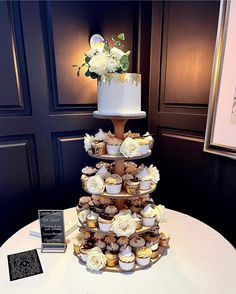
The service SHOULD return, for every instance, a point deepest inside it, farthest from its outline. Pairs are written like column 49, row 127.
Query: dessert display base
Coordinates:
column 119, row 156
column 117, row 269
column 124, row 195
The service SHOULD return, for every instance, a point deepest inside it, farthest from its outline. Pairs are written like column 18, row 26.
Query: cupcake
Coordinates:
column 110, row 239
column 131, row 135
column 151, row 237
column 105, row 222
column 155, row 230
column 131, row 168
column 123, row 241
column 101, row 244
column 113, row 146
column 100, row 135
column 126, row 259
column 112, row 258
column 127, row 177
column 114, row 247
column 132, row 187
column 154, row 247
column 113, row 184
column 164, row 239
column 149, row 216
column 101, row 164
column 138, row 220
column 89, row 170
column 82, row 215
column 83, row 203
column 84, row 249
column 92, row 220
column 103, row 172
column 106, row 201
column 111, row 210
column 135, row 208
column 76, row 244
column 143, row 256
column 98, row 147
column 84, row 180
column 143, row 145
column 144, row 178
column 137, row 242
column 99, row 236
column 149, row 138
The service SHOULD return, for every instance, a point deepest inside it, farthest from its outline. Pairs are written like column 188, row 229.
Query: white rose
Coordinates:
column 116, row 53
column 91, row 52
column 98, row 64
column 96, row 260
column 129, row 148
column 112, row 65
column 154, row 173
column 83, row 215
column 160, row 213
column 87, row 142
column 124, row 225
column 95, row 185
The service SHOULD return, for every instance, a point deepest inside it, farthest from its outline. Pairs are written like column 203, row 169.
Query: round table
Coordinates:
column 199, row 260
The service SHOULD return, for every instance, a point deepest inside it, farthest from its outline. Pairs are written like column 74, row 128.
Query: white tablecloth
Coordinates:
column 199, row 260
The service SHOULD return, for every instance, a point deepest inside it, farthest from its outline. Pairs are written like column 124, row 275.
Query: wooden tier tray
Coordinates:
column 124, row 195
column 140, row 231
column 141, row 114
column 118, row 157
column 137, row 267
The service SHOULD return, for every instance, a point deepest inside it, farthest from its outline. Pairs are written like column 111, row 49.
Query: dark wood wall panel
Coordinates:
column 189, row 41
column 13, row 98
column 67, row 28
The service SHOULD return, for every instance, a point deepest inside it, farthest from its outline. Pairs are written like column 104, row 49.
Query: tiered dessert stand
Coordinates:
column 119, row 124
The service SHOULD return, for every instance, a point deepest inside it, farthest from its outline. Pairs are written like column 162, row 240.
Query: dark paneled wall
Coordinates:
column 194, row 182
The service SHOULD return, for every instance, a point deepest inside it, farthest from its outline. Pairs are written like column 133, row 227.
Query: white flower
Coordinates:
column 160, row 213
column 95, row 185
column 154, row 174
column 83, row 215
column 96, row 260
column 129, row 148
column 124, row 225
column 88, row 142
column 112, row 65
column 116, row 53
column 91, row 52
column 98, row 64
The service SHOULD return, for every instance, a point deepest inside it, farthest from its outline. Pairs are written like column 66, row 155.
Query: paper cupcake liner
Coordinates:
column 145, row 185
column 149, row 221
column 113, row 189
column 142, row 261
column 104, row 227
column 113, row 149
column 126, row 266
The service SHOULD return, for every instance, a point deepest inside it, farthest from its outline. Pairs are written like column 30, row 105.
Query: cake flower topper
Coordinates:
column 102, row 58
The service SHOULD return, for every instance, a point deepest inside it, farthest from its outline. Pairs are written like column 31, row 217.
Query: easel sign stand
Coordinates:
column 52, row 231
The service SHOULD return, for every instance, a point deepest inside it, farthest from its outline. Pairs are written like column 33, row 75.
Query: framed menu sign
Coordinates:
column 52, row 230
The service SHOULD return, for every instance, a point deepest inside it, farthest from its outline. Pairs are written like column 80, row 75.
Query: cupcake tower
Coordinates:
column 119, row 222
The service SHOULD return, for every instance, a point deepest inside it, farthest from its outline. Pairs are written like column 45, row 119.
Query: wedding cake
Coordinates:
column 119, row 221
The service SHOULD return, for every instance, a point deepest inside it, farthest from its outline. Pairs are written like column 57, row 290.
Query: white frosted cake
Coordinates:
column 119, row 94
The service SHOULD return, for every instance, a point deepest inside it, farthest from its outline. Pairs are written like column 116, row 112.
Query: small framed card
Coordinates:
column 52, row 230
column 24, row 264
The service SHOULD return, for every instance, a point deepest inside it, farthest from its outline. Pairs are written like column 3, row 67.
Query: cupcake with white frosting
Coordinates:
column 154, row 247
column 126, row 259
column 92, row 220
column 103, row 172
column 143, row 255
column 144, row 178
column 113, row 184
column 149, row 216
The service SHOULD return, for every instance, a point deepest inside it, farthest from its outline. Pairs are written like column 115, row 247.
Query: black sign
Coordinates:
column 52, row 226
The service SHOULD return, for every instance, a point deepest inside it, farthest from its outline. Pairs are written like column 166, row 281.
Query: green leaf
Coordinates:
column 87, row 59
column 87, row 74
column 93, row 75
column 78, row 72
column 107, row 48
column 121, row 36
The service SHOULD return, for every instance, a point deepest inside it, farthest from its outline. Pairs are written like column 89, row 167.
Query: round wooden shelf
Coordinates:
column 118, row 157
column 124, row 195
column 117, row 269
column 94, row 230
column 141, row 114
